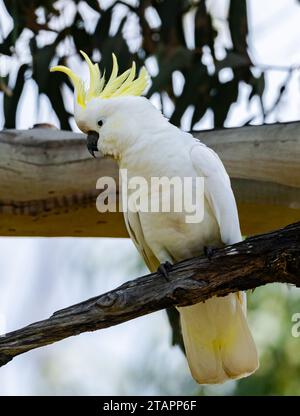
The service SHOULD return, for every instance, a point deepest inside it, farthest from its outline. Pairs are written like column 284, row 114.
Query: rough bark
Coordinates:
column 268, row 258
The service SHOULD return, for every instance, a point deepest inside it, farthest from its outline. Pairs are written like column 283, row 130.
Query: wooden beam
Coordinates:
column 47, row 180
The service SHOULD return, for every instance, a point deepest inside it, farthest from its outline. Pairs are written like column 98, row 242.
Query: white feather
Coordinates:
column 218, row 191
column 217, row 339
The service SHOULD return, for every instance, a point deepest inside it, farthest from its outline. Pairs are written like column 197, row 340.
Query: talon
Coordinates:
column 208, row 251
column 163, row 269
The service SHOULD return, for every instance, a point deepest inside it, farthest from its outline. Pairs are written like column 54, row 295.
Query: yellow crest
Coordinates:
column 116, row 86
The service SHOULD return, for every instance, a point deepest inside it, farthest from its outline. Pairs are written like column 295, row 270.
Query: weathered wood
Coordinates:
column 47, row 180
column 273, row 257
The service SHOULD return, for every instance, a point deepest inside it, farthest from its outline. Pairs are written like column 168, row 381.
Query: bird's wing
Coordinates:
column 218, row 192
column 134, row 228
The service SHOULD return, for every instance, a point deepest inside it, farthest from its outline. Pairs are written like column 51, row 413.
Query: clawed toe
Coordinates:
column 208, row 251
column 164, row 268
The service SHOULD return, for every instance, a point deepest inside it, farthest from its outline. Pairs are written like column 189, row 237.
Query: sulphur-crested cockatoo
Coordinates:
column 122, row 124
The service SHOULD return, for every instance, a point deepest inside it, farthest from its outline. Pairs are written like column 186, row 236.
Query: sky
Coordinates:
column 40, row 275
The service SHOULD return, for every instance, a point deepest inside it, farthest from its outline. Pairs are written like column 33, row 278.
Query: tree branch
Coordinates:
column 267, row 258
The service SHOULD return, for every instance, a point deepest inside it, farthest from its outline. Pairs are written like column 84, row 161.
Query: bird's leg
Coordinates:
column 164, row 268
column 208, row 251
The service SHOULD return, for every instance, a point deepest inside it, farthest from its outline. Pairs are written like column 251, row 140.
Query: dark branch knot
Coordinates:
column 107, row 300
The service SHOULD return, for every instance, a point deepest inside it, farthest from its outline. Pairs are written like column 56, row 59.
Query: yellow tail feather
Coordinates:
column 218, row 342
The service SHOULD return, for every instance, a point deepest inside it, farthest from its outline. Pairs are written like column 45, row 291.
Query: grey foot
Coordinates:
column 164, row 268
column 208, row 251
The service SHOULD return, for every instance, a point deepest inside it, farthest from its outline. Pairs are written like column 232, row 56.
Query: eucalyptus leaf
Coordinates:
column 10, row 103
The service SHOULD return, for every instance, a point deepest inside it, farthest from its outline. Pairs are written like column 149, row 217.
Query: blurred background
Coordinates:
column 214, row 63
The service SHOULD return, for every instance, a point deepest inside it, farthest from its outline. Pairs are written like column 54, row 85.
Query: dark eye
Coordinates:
column 100, row 123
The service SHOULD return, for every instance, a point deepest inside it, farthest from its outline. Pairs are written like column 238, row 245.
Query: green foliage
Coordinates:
column 270, row 313
column 11, row 100
column 165, row 42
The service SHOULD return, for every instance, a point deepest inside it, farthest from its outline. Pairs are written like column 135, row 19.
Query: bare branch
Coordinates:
column 267, row 258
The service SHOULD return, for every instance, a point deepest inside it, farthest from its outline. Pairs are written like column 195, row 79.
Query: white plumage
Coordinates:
column 218, row 342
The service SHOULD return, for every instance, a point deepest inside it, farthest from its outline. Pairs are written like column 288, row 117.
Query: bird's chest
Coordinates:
column 167, row 227
column 170, row 232
column 163, row 212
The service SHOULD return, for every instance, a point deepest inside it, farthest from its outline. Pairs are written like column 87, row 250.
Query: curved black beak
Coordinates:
column 92, row 140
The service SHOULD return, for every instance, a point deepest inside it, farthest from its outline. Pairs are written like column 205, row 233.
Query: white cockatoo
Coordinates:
column 124, row 125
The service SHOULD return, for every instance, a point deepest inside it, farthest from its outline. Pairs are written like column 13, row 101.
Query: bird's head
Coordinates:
column 110, row 113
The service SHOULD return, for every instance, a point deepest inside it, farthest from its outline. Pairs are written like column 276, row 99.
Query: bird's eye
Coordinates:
column 100, row 123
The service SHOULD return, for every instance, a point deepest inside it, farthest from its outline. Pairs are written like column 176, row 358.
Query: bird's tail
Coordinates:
column 219, row 345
